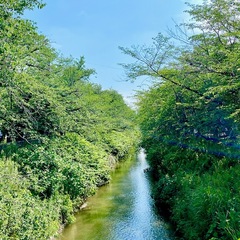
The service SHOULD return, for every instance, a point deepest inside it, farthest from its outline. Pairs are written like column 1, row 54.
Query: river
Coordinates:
column 121, row 210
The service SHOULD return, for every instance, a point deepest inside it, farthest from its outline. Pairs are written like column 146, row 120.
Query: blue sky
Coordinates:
column 95, row 29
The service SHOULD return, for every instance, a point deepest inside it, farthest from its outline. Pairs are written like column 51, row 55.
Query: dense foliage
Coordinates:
column 60, row 135
column 190, row 119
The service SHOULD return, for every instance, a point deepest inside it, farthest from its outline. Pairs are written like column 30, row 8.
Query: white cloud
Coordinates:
column 193, row 1
column 196, row 1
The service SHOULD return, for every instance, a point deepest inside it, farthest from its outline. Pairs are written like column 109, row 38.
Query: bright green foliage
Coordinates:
column 23, row 216
column 60, row 135
column 25, row 59
column 10, row 7
column 190, row 120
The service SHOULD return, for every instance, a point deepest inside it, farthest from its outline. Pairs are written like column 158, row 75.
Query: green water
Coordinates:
column 122, row 210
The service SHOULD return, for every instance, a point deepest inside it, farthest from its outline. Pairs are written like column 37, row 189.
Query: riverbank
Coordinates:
column 46, row 186
column 44, row 183
column 114, row 164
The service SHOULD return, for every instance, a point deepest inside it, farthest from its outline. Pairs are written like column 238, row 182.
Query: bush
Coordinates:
column 208, row 207
column 23, row 216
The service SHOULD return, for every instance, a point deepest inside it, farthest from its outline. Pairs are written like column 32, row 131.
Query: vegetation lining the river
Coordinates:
column 190, row 120
column 60, row 134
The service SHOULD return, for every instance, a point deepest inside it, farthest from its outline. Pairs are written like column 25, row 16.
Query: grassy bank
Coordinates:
column 198, row 192
column 43, row 185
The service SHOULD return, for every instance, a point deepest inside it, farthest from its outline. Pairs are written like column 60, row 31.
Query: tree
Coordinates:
column 25, row 62
column 203, row 76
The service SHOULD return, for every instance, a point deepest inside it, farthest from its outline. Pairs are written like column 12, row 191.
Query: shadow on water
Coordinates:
column 122, row 210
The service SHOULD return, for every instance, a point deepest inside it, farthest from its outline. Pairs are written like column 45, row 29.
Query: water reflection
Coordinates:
column 122, row 210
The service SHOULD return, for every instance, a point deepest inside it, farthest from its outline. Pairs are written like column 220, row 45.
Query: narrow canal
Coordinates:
column 122, row 210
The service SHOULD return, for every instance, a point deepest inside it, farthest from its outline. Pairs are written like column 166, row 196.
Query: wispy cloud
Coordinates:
column 193, row 1
column 196, row 1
